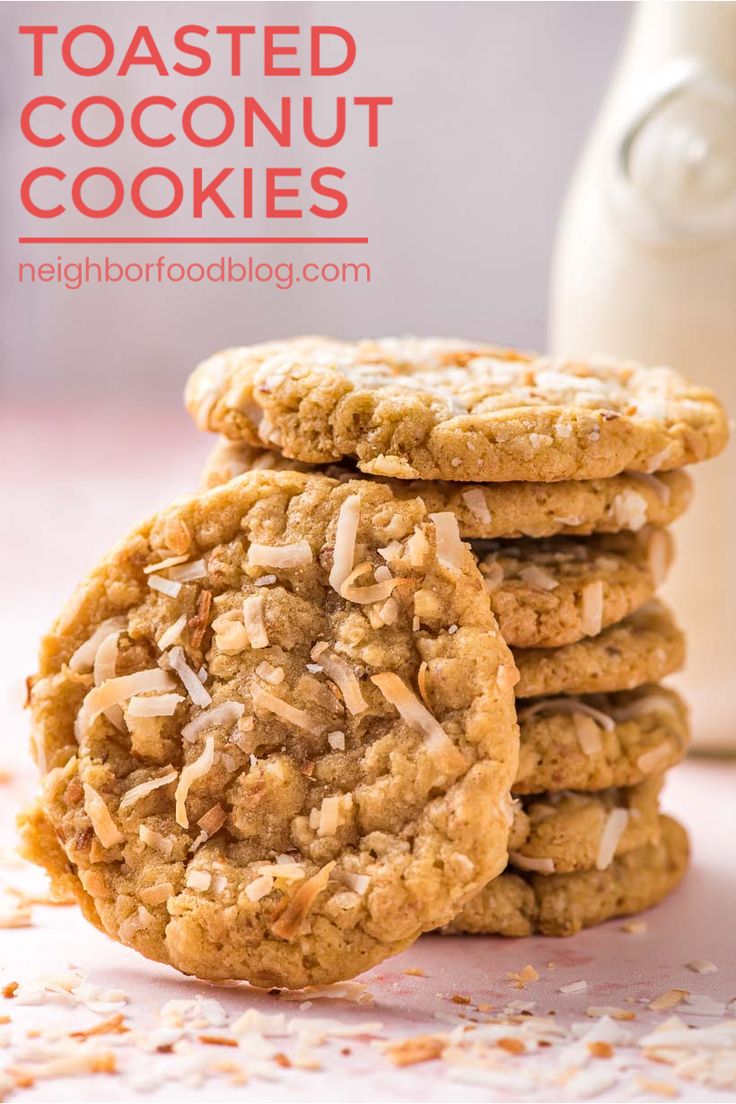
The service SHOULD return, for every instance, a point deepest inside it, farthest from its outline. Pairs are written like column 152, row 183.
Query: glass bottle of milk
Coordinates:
column 645, row 269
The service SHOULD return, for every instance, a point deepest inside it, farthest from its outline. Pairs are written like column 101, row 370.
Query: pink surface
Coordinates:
column 70, row 482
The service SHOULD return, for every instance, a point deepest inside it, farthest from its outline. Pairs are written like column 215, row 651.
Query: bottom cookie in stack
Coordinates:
column 522, row 904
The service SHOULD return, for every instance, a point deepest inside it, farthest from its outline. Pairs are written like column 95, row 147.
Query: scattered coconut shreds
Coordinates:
column 173, row 634
column 702, row 966
column 346, row 531
column 634, row 927
column 521, row 978
column 475, row 500
column 83, row 658
column 164, row 586
column 136, row 793
column 574, row 987
column 103, row 825
column 189, row 572
column 668, row 999
column 190, row 680
column 421, row 1048
column 299, row 905
column 116, row 691
column 155, row 705
column 451, row 551
column 592, row 608
column 189, row 775
column 225, row 713
column 597, row 1011
column 531, row 865
column 439, row 745
column 613, row 828
column 568, row 705
column 255, row 626
column 342, row 674
column 263, row 699
column 280, row 556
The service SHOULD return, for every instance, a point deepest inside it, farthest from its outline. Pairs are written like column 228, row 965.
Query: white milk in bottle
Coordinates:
column 645, row 268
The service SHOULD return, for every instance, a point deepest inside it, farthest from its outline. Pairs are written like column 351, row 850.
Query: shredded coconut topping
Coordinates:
column 475, row 500
column 172, row 634
column 225, row 713
column 144, row 788
column 346, row 531
column 164, row 586
column 417, row 716
column 103, row 825
column 450, row 549
column 592, row 608
column 255, row 625
column 189, row 775
column 263, row 699
column 188, row 572
column 189, row 678
column 613, row 829
column 299, row 906
column 162, row 565
column 83, row 658
column 156, row 705
column 567, row 705
column 532, row 865
column 117, row 690
column 298, row 554
column 345, row 678
column 537, row 578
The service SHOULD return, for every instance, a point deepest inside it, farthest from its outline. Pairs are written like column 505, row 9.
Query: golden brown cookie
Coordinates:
column 240, row 777
column 600, row 740
column 644, row 647
column 547, row 593
column 442, row 408
column 562, row 904
column 489, row 510
column 555, row 833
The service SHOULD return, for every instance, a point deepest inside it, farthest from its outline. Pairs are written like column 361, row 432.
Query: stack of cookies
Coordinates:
column 278, row 724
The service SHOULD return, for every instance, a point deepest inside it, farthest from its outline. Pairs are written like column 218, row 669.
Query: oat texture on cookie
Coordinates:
column 442, row 408
column 276, row 731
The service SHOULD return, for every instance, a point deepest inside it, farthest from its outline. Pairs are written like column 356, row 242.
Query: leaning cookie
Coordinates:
column 552, row 592
column 644, row 647
column 562, row 904
column 555, row 833
column 503, row 510
column 240, row 777
column 600, row 740
column 443, row 408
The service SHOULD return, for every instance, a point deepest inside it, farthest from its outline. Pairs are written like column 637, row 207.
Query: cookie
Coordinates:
column 562, row 904
column 490, row 510
column 600, row 740
column 442, row 408
column 548, row 593
column 240, row 776
column 644, row 647
column 556, row 833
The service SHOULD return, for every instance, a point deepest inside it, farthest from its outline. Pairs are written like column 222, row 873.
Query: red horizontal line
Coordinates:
column 193, row 241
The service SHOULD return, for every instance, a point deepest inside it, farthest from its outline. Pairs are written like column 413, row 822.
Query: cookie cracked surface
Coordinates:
column 276, row 730
column 443, row 408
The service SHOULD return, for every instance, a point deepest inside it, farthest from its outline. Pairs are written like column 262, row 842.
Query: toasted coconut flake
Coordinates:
column 163, row 565
column 198, row 879
column 422, row 683
column 591, row 620
column 336, row 740
column 332, row 813
column 574, row 987
column 270, row 674
column 439, row 745
column 212, row 821
column 531, row 865
column 164, row 586
column 417, row 548
column 629, row 509
column 139, row 920
column 598, row 1012
column 588, row 734
column 342, row 674
column 255, row 626
column 103, row 825
column 157, row 894
column 231, row 636
column 392, row 551
column 189, row 572
column 658, row 485
column 298, row 554
column 537, row 578
column 613, row 829
column 389, row 611
column 198, row 769
column 154, row 705
column 654, row 760
column 84, row 657
column 358, row 883
column 367, row 595
column 475, row 500
column 702, row 966
column 346, row 531
column 301, row 903
column 163, row 844
column 104, row 668
column 289, row 871
column 263, row 699
column 116, row 691
column 420, row 1048
column 451, row 551
column 172, row 634
column 191, row 682
column 658, row 550
column 259, row 887
column 668, row 1000
column 568, row 705
column 136, row 793
column 225, row 713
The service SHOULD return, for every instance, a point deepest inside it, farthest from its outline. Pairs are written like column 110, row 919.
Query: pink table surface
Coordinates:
column 71, row 480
